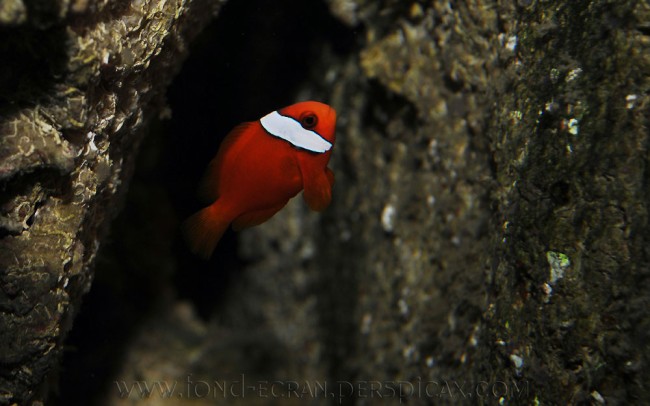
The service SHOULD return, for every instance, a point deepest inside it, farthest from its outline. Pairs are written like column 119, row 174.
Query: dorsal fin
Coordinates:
column 209, row 185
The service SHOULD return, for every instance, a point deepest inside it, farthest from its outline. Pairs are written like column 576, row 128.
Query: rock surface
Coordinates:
column 79, row 82
column 486, row 241
column 490, row 219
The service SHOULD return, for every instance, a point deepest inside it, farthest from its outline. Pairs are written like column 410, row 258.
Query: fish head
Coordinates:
column 314, row 116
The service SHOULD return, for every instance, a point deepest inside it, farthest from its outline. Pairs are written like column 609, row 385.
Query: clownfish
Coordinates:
column 259, row 166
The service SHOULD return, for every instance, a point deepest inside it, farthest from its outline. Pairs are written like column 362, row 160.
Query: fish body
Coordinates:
column 262, row 164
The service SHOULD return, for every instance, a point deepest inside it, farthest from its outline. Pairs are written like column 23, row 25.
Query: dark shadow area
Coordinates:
column 251, row 60
column 32, row 63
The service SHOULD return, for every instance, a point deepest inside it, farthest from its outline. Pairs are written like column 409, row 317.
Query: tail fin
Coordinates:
column 204, row 229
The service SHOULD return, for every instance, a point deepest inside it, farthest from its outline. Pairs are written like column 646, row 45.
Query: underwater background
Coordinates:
column 487, row 237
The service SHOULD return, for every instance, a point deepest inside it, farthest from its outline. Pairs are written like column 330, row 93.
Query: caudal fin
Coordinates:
column 204, row 229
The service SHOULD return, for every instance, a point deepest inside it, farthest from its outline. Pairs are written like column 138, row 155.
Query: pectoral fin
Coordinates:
column 330, row 176
column 318, row 189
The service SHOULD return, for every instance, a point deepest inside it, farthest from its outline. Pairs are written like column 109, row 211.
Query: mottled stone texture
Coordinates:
column 489, row 224
column 569, row 288
column 79, row 80
column 488, row 232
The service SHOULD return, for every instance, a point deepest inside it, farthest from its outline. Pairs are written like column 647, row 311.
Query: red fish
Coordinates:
column 262, row 164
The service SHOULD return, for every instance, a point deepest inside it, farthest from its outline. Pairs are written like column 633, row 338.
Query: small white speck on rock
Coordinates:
column 408, row 352
column 630, row 101
column 573, row 126
column 511, row 44
column 573, row 74
column 388, row 218
column 517, row 361
column 403, row 307
column 598, row 397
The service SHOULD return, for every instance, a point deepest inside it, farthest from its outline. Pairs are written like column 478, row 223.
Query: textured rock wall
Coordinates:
column 487, row 232
column 569, row 290
column 391, row 282
column 490, row 215
column 78, row 83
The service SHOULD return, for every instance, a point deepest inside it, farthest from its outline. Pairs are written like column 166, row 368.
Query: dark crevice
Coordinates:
column 75, row 137
column 27, row 193
column 113, row 10
column 252, row 59
column 43, row 12
column 50, row 180
column 453, row 84
column 30, row 220
column 37, row 62
column 385, row 103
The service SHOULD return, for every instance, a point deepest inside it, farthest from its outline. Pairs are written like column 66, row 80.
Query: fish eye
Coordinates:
column 308, row 120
